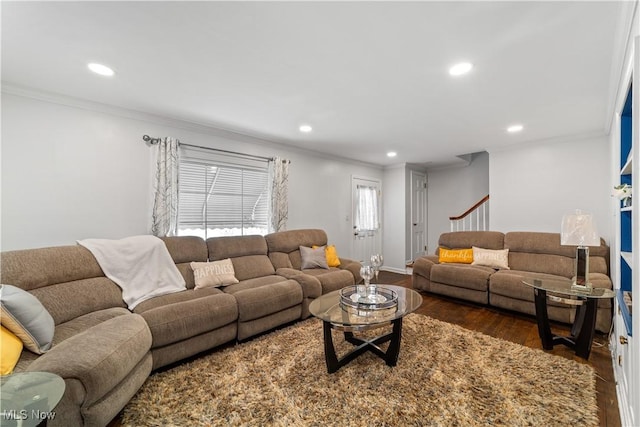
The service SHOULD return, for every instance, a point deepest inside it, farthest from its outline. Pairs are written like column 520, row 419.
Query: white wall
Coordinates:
column 394, row 196
column 452, row 191
column 534, row 185
column 70, row 173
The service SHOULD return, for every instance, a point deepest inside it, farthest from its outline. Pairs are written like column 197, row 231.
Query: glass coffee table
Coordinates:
column 353, row 317
column 584, row 325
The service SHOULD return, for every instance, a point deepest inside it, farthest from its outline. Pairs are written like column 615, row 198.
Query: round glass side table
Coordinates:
column 584, row 324
column 27, row 398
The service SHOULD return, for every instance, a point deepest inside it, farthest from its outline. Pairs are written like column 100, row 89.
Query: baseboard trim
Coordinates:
column 394, row 270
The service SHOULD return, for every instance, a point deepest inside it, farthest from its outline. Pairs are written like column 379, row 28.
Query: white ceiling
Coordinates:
column 368, row 76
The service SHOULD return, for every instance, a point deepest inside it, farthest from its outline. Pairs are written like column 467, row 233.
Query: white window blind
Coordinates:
column 367, row 209
column 221, row 194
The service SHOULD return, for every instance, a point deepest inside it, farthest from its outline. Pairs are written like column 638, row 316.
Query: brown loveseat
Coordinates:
column 530, row 254
column 105, row 352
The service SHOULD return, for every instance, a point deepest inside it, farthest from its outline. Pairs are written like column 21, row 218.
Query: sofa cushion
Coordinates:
column 313, row 257
column 542, row 253
column 256, row 282
column 183, row 251
column 236, row 246
column 73, row 327
column 214, row 273
column 24, row 315
column 468, row 276
column 311, row 286
column 248, row 254
column 177, row 297
column 268, row 299
column 509, row 284
column 284, row 246
column 66, row 301
column 176, row 321
column 66, row 279
column 34, row 268
column 542, row 263
column 252, row 266
column 467, row 239
column 331, row 279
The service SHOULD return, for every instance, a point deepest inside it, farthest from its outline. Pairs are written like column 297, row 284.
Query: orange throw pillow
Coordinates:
column 460, row 256
column 332, row 255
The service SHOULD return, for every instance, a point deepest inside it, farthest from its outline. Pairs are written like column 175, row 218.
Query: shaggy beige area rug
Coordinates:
column 446, row 376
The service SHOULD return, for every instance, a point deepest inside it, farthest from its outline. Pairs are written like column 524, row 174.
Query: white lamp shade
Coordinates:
column 579, row 229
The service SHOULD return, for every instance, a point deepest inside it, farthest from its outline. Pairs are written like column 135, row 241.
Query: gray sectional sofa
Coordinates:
column 104, row 351
column 530, row 254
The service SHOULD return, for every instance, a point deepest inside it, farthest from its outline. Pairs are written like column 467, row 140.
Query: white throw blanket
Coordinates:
column 140, row 265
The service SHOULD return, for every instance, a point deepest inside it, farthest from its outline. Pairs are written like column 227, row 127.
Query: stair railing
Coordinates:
column 473, row 219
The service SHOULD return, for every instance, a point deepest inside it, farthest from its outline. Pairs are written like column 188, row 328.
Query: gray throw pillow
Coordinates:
column 24, row 315
column 313, row 258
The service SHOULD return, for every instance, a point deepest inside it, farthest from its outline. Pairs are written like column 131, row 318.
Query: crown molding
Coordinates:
column 551, row 141
column 70, row 101
column 73, row 102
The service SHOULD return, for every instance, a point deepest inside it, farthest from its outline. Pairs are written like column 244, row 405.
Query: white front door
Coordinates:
column 418, row 214
column 366, row 217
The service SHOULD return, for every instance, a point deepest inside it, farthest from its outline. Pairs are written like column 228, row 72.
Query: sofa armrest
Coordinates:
column 352, row 266
column 421, row 276
column 102, row 356
column 311, row 286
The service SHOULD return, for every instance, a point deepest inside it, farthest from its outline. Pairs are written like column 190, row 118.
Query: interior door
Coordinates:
column 418, row 214
column 368, row 240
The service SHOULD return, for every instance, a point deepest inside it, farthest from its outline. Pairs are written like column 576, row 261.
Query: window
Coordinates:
column 221, row 194
column 367, row 208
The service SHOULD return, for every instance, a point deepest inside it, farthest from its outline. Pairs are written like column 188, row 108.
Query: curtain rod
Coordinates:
column 152, row 141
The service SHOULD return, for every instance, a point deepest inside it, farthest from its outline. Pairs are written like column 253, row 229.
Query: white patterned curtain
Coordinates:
column 279, row 171
column 165, row 205
column 367, row 209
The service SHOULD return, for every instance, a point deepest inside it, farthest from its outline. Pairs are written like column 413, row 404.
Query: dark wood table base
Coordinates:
column 582, row 330
column 362, row 345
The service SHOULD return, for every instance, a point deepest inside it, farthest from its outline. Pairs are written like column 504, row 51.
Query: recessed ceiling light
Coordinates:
column 460, row 69
column 103, row 70
column 305, row 128
column 392, row 154
column 515, row 128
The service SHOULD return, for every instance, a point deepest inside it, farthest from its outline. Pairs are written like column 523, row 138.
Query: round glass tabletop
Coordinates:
column 329, row 309
column 28, row 398
column 564, row 287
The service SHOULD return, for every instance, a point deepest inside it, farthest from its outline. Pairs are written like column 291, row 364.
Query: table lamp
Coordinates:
column 579, row 229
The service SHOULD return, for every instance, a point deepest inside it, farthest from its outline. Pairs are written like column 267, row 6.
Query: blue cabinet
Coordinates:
column 625, row 288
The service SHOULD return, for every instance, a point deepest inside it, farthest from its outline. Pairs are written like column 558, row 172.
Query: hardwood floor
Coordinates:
column 522, row 329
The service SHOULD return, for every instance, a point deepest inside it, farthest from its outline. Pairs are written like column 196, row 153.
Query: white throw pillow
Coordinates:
column 214, row 274
column 494, row 258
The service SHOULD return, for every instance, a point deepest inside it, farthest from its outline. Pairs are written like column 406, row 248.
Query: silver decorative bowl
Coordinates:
column 383, row 299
